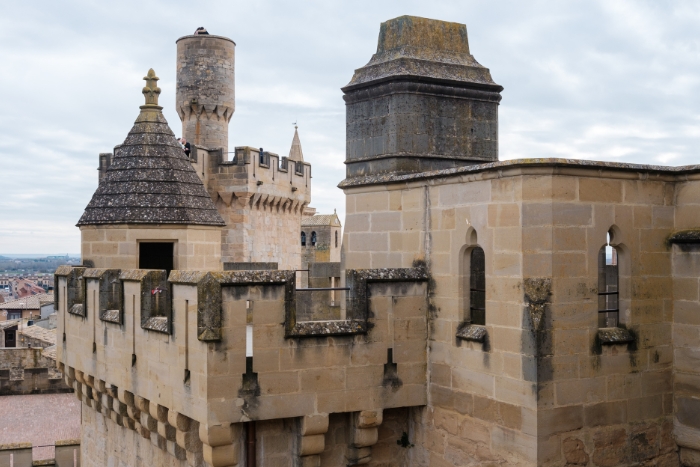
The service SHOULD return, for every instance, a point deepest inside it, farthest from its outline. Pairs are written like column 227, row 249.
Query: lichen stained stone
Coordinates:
column 613, row 336
column 471, row 332
column 328, row 328
column 486, row 169
column 151, row 180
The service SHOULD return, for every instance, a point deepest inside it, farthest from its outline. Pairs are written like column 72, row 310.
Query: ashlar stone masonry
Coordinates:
column 570, row 338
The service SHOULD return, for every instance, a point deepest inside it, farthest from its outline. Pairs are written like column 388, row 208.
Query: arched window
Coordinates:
column 608, row 286
column 303, row 239
column 336, row 239
column 477, row 286
column 313, row 238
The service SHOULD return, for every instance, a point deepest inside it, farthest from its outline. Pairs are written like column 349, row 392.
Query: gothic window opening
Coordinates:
column 313, row 238
column 303, row 239
column 477, row 286
column 608, row 286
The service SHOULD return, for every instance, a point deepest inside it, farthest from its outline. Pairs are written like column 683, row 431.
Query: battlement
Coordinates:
column 231, row 348
column 266, row 167
column 261, row 197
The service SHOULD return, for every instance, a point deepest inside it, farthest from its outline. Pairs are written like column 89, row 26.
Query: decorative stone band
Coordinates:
column 189, row 110
column 166, row 429
column 410, row 84
column 470, row 159
column 540, row 166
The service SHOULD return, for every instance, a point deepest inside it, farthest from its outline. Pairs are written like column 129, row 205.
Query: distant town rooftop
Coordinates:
column 33, row 302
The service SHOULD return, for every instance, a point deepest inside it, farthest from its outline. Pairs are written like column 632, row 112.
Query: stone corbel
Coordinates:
column 364, row 434
column 221, row 444
column 243, row 198
column 220, row 111
column 186, row 436
column 312, row 441
column 263, row 203
column 209, row 110
column 254, row 200
column 226, row 197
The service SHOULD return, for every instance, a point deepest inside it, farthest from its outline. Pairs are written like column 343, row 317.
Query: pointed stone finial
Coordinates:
column 295, row 153
column 151, row 90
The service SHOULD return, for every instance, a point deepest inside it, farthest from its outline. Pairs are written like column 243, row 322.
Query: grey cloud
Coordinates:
column 597, row 80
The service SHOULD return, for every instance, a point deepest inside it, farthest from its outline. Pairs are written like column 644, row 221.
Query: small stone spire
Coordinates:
column 151, row 91
column 295, row 153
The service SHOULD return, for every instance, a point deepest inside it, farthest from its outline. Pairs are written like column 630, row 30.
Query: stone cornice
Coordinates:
column 544, row 166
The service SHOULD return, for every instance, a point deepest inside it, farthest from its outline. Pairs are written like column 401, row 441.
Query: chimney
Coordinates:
column 421, row 103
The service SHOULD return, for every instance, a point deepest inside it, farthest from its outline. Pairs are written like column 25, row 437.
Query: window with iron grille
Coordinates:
column 477, row 287
column 303, row 239
column 608, row 288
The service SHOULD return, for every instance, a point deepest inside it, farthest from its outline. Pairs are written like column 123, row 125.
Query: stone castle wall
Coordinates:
column 325, row 250
column 24, row 358
column 27, row 371
column 180, row 383
column 685, row 266
column 117, row 246
column 541, row 389
column 261, row 202
column 103, row 442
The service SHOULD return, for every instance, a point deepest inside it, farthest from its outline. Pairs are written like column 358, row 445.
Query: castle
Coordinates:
column 525, row 312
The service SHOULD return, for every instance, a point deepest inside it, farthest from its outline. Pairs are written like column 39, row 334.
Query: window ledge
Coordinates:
column 685, row 236
column 614, row 336
column 158, row 324
column 111, row 316
column 328, row 328
column 77, row 309
column 472, row 332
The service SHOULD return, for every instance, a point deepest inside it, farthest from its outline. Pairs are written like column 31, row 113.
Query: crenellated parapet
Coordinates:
column 261, row 197
column 231, row 350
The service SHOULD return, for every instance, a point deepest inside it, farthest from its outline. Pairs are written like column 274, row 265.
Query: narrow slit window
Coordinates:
column 608, row 287
column 336, row 239
column 477, row 287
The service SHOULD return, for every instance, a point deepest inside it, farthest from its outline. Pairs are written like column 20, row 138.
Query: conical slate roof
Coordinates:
column 151, row 180
column 295, row 153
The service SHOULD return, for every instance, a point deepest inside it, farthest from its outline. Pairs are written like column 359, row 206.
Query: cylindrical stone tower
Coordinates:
column 205, row 88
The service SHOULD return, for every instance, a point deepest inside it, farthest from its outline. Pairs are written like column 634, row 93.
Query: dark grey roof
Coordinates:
column 424, row 49
column 151, row 181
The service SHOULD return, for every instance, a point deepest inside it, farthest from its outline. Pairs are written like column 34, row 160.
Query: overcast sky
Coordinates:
column 607, row 80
